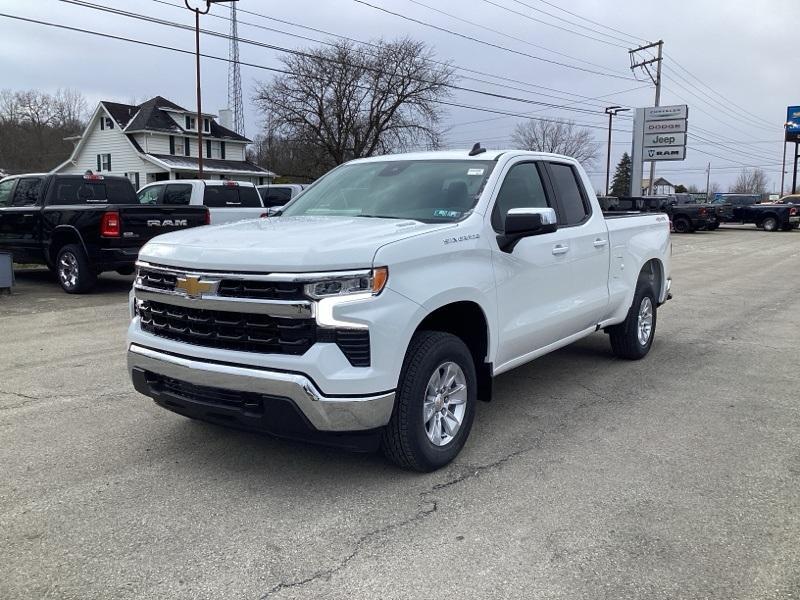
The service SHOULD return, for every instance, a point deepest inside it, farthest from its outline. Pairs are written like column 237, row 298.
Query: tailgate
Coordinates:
column 141, row 223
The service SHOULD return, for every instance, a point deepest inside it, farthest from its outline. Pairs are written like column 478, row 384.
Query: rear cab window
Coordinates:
column 276, row 196
column 83, row 190
column 177, row 194
column 27, row 192
column 573, row 203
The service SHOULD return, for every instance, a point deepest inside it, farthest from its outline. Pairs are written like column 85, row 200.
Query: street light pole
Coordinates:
column 199, row 123
column 611, row 111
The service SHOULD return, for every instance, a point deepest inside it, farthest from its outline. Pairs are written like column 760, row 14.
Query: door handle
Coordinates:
column 599, row 243
column 560, row 249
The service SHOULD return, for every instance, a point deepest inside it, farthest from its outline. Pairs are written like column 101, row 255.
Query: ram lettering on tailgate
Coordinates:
column 167, row 223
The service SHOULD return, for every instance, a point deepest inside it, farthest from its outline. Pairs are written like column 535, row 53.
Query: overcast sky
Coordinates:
column 740, row 59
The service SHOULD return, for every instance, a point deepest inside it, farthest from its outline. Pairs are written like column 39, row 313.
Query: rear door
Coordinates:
column 6, row 193
column 586, row 250
column 22, row 218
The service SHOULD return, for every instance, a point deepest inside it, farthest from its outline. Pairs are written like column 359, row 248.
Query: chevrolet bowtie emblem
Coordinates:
column 194, row 287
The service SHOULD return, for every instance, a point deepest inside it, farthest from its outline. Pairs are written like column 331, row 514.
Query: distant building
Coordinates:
column 157, row 140
column 660, row 187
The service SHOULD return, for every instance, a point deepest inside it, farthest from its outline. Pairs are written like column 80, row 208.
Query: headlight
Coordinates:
column 354, row 282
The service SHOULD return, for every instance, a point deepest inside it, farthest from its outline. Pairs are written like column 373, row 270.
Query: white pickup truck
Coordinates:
column 381, row 304
column 227, row 201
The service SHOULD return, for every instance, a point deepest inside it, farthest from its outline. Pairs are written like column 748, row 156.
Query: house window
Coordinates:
column 187, row 147
column 191, row 122
column 207, row 125
column 222, row 150
column 106, row 123
column 103, row 162
column 208, row 148
column 134, row 177
column 172, row 144
column 177, row 145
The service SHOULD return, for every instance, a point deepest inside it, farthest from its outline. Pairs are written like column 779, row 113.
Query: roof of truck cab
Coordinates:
column 459, row 155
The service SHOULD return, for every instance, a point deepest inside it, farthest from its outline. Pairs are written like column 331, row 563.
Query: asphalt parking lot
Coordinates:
column 587, row 477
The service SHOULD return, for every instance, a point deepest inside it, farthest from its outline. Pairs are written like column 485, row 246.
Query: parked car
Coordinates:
column 275, row 196
column 380, row 307
column 706, row 217
column 790, row 199
column 226, row 200
column 686, row 217
column 767, row 216
column 82, row 225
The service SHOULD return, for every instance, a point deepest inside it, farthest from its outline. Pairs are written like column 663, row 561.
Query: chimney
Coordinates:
column 226, row 118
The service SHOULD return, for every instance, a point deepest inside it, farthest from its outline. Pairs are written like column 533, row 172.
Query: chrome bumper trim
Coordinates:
column 276, row 277
column 324, row 412
column 287, row 309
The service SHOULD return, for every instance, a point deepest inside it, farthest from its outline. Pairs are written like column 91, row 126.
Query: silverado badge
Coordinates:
column 194, row 287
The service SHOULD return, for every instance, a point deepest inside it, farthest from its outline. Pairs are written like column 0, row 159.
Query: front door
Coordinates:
column 532, row 285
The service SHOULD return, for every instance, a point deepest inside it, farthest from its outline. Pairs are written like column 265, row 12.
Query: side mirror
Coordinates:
column 525, row 222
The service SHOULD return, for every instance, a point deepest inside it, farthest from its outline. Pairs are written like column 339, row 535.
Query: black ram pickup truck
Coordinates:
column 82, row 225
column 766, row 216
column 685, row 218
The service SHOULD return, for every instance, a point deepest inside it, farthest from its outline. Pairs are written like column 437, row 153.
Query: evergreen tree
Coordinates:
column 621, row 183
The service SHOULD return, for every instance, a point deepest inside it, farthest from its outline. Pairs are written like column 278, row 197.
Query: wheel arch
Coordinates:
column 61, row 236
column 466, row 320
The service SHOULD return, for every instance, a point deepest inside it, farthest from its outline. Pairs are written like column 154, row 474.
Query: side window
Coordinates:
column 277, row 196
column 177, row 194
column 522, row 188
column 5, row 192
column 27, row 192
column 218, row 196
column 150, row 195
column 248, row 196
column 573, row 202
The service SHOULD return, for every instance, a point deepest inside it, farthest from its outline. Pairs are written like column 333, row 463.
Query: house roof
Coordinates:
column 211, row 165
column 149, row 116
column 658, row 181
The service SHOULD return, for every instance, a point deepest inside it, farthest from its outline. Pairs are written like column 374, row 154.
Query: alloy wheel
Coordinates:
column 445, row 403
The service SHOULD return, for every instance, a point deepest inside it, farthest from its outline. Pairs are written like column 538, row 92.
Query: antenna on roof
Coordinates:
column 476, row 149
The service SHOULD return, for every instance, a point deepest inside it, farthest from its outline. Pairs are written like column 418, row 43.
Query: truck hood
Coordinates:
column 291, row 244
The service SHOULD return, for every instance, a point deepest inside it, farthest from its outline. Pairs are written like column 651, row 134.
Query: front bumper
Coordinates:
column 247, row 397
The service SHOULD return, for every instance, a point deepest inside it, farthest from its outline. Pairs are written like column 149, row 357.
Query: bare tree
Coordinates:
column 346, row 101
column 750, row 181
column 33, row 125
column 558, row 137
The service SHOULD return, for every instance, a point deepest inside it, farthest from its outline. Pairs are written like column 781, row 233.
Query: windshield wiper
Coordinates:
column 386, row 217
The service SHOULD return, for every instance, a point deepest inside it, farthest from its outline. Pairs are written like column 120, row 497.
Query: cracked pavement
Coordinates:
column 587, row 477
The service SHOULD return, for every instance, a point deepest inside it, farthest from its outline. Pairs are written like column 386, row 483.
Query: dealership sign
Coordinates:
column 793, row 124
column 666, row 126
column 664, row 139
column 668, row 153
column 678, row 111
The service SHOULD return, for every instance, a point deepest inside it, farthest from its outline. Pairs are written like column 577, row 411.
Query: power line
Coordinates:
column 572, row 31
column 507, row 35
column 372, row 45
column 132, row 15
column 490, row 44
column 253, row 65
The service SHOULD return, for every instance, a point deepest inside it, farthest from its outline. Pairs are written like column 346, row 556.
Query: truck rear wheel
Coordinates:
column 75, row 274
column 633, row 337
column 770, row 224
column 682, row 225
column 435, row 403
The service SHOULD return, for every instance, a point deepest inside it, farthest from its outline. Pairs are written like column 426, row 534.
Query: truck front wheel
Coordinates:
column 435, row 403
column 633, row 337
column 75, row 274
column 682, row 225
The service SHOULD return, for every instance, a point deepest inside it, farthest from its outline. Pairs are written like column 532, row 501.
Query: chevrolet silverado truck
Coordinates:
column 379, row 307
column 227, row 201
column 82, row 225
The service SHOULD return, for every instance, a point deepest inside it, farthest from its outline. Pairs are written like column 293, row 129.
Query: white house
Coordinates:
column 157, row 140
column 660, row 187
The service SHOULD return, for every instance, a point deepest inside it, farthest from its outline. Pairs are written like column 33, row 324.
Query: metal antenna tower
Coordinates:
column 235, row 102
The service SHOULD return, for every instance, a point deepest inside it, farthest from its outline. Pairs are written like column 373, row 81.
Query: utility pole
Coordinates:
column 708, row 182
column 794, row 174
column 783, row 168
column 656, row 79
column 199, row 123
column 611, row 111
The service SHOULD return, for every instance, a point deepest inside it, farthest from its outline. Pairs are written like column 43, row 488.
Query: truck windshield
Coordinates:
column 422, row 190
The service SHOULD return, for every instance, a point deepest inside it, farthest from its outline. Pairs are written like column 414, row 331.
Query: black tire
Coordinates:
column 713, row 226
column 624, row 337
column 405, row 441
column 682, row 225
column 75, row 274
column 770, row 223
column 129, row 270
column 795, row 225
